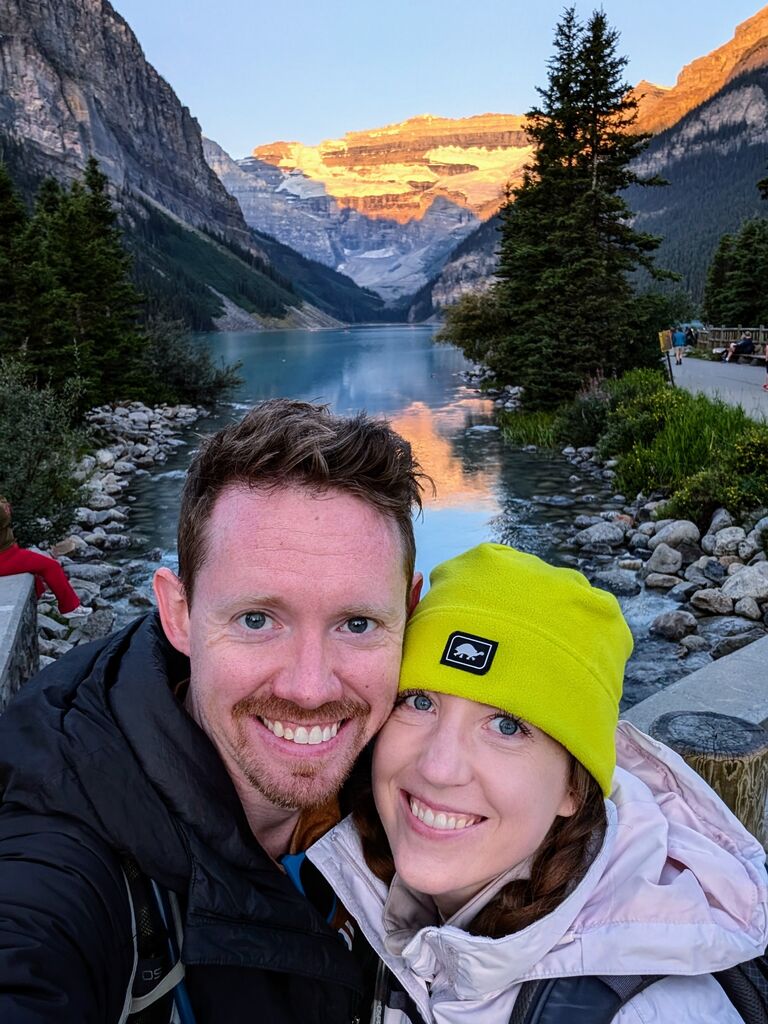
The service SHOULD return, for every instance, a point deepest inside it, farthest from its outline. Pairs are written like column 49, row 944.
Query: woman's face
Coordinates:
column 464, row 792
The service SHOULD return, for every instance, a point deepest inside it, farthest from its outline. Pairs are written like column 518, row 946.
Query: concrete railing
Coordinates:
column 19, row 655
column 736, row 685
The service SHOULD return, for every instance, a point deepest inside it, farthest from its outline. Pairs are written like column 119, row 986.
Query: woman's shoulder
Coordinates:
column 693, row 999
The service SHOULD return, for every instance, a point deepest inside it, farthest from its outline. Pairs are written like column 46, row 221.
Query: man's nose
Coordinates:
column 309, row 674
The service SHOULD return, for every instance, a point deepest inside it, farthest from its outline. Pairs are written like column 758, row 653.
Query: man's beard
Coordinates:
column 309, row 784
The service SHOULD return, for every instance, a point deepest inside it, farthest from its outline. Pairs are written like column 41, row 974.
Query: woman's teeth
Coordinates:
column 439, row 819
column 300, row 734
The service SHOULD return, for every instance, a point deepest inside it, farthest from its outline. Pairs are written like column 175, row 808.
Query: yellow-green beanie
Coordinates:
column 507, row 629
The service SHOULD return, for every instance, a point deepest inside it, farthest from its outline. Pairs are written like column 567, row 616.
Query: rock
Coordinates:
column 618, row 581
column 86, row 516
column 679, row 531
column 674, row 625
column 98, row 502
column 714, row 571
column 752, row 582
column 720, row 520
column 690, row 552
column 66, row 547
column 140, row 600
column 748, row 608
column 97, row 625
column 639, row 541
column 96, row 572
column 694, row 643
column 104, row 458
column 600, row 533
column 51, row 628
column 683, row 591
column 123, row 467
column 583, row 521
column 719, row 626
column 664, row 559
column 727, row 540
column 660, row 581
column 708, row 543
column 648, row 529
column 631, row 564
column 730, row 644
column 712, row 601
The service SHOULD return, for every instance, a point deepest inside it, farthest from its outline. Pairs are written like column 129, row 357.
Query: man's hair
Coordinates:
column 285, row 443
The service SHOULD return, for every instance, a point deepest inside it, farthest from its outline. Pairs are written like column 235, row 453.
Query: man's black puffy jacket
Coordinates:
column 98, row 759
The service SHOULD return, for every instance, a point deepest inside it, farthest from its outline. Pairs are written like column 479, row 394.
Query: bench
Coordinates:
column 753, row 358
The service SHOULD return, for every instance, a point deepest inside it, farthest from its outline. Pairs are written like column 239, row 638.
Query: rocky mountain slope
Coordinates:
column 74, row 82
column 387, row 206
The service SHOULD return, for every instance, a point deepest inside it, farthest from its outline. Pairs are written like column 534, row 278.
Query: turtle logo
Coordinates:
column 469, row 653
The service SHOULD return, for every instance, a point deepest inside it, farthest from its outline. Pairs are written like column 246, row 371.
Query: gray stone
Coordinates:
column 664, row 559
column 639, row 540
column 123, row 467
column 648, row 529
column 86, row 516
column 714, row 571
column 679, row 531
column 98, row 502
column 96, row 572
column 720, row 520
column 728, row 539
column 748, row 548
column 51, row 628
column 752, row 581
column 674, row 625
column 734, row 567
column 661, row 581
column 730, row 644
column 713, row 602
column 600, row 533
column 97, row 625
column 632, row 564
column 105, row 458
column 748, row 608
column 618, row 581
column 683, row 591
column 708, row 543
column 690, row 552
column 694, row 643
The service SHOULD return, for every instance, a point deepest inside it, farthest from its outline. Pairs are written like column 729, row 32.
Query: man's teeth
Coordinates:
column 300, row 734
column 439, row 819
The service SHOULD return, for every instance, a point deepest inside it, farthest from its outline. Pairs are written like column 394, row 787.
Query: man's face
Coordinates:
column 294, row 636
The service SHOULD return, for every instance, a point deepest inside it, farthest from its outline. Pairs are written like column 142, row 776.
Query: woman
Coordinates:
column 505, row 844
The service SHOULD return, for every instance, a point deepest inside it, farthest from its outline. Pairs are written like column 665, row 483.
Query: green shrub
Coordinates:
column 635, row 384
column 38, row 450
column 178, row 369
column 582, row 421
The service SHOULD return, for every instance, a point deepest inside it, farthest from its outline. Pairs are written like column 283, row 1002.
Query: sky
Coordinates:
column 254, row 72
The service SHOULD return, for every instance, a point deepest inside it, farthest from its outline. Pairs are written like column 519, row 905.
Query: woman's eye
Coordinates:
column 255, row 620
column 505, row 725
column 359, row 624
column 418, row 701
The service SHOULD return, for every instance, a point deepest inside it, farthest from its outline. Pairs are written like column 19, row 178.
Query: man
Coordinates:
column 206, row 741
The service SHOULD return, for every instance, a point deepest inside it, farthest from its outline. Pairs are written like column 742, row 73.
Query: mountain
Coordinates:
column 74, row 82
column 387, row 206
column 710, row 132
column 661, row 107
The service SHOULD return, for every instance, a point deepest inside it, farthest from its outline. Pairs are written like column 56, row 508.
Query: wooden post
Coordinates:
column 729, row 753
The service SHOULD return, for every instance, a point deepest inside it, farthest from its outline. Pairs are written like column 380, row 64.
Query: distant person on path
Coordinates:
column 765, row 356
column 691, row 336
column 513, row 832
column 678, row 344
column 47, row 572
column 745, row 346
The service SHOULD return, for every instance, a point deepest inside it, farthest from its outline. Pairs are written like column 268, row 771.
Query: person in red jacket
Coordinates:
column 48, row 574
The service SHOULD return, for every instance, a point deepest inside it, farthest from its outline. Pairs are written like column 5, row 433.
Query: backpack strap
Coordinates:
column 156, row 994
column 582, row 1000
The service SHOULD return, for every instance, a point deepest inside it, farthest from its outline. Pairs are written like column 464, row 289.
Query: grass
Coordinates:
column 522, row 428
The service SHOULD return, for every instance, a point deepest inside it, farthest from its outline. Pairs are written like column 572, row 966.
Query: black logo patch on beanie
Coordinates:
column 469, row 653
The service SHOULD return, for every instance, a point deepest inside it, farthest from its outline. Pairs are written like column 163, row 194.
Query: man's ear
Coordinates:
column 415, row 594
column 173, row 607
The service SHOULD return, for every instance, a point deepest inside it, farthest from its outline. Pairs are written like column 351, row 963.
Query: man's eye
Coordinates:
column 359, row 624
column 255, row 620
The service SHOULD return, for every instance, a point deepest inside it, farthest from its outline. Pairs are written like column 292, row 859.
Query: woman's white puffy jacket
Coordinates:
column 678, row 888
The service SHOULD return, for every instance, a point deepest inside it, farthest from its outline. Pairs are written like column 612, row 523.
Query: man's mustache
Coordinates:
column 281, row 710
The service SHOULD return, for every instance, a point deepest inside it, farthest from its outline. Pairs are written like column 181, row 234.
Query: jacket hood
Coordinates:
column 99, row 737
column 677, row 887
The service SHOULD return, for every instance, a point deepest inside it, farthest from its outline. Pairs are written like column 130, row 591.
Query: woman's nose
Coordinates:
column 444, row 758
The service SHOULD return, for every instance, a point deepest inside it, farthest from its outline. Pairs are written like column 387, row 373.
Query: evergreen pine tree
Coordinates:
column 568, row 246
column 717, row 281
column 13, row 218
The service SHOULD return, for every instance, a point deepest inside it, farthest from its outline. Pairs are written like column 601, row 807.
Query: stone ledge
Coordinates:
column 735, row 685
column 19, row 655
